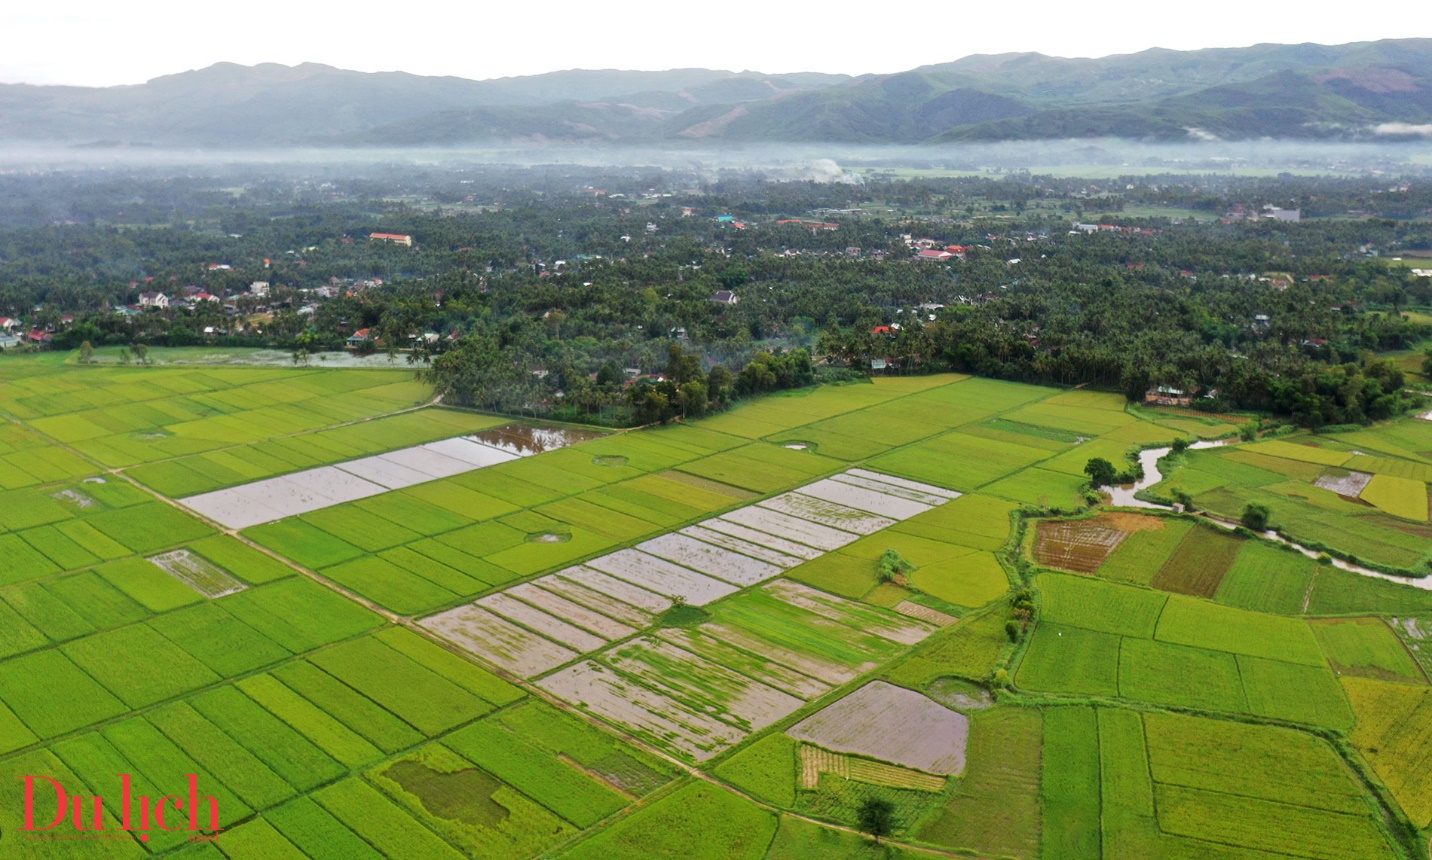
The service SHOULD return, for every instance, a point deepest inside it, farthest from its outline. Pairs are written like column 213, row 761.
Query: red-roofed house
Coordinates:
column 359, row 337
column 931, row 254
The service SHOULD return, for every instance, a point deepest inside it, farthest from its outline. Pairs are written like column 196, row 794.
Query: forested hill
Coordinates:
column 1366, row 90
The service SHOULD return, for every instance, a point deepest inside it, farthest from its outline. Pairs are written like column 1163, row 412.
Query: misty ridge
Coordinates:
column 1363, row 92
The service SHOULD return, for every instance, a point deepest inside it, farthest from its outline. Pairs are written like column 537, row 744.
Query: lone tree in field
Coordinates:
column 1101, row 472
column 894, row 567
column 877, row 817
column 1256, row 516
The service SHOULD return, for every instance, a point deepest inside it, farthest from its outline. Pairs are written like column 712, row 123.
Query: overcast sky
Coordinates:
column 102, row 43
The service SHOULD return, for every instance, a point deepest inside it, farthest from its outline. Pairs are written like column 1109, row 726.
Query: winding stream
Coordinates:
column 1123, row 496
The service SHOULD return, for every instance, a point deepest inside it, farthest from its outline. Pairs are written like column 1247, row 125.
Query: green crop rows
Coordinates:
column 1200, row 694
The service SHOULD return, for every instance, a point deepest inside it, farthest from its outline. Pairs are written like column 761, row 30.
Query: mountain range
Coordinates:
column 1363, row 90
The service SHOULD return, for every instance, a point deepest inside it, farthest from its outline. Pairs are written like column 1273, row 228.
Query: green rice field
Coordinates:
column 1182, row 691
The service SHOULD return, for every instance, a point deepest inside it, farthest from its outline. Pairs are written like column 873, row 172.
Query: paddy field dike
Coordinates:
column 373, row 626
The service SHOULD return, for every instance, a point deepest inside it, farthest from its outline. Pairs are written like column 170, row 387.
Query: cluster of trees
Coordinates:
column 687, row 392
column 485, row 373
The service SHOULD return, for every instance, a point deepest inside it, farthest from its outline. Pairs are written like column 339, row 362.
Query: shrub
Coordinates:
column 893, row 566
column 1256, row 516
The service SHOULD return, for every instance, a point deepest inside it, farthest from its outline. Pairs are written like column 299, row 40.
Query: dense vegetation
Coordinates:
column 530, row 290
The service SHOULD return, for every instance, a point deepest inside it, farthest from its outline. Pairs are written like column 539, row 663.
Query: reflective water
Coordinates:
column 522, row 439
column 1124, row 496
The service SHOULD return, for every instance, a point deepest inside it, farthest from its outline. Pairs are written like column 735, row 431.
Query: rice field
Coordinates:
column 703, row 592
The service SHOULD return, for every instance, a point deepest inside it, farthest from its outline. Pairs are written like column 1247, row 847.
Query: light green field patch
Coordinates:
column 1081, row 601
column 1300, row 694
column 242, row 560
column 1366, row 647
column 1305, row 453
column 1264, row 578
column 1401, row 497
column 1071, row 784
column 306, row 544
column 139, row 665
column 368, row 532
column 1399, row 468
column 567, row 791
column 1176, row 675
column 148, row 584
column 765, row 769
column 1040, row 487
column 970, row 580
column 958, row 460
column 1127, row 792
column 1198, row 623
column 842, row 574
column 389, row 585
column 969, row 649
column 1071, row 660
column 700, row 822
column 1298, row 470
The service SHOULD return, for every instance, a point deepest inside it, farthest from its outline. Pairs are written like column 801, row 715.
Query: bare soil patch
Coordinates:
column 893, row 724
column 1344, row 483
column 959, row 694
column 198, row 573
column 74, row 497
column 925, row 613
column 1082, row 545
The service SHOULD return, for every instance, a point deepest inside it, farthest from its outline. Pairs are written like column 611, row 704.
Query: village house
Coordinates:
column 153, row 300
column 358, row 338
column 725, row 297
column 1165, row 395
column 393, row 238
